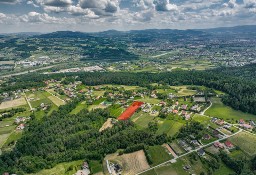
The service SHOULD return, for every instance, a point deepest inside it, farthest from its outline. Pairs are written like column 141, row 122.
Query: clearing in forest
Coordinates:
column 131, row 163
column 107, row 124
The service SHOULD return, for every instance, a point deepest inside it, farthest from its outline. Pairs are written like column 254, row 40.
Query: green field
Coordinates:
column 169, row 127
column 56, row 100
column 218, row 109
column 246, row 142
column 116, row 111
column 183, row 90
column 95, row 166
column 206, row 121
column 150, row 100
column 142, row 119
column 158, row 154
column 151, row 172
column 79, row 107
column 15, row 135
column 98, row 93
column 68, row 168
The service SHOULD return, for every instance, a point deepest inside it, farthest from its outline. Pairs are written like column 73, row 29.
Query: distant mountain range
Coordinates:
column 247, row 29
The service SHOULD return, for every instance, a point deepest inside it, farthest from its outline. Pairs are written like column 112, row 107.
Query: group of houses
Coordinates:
column 246, row 125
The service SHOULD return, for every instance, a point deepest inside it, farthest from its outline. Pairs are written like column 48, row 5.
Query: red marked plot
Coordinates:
column 130, row 110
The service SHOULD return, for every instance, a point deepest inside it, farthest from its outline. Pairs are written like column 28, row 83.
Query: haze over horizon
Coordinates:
column 100, row 15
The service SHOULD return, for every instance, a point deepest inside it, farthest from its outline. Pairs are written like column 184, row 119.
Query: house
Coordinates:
column 206, row 137
column 21, row 126
column 241, row 121
column 220, row 122
column 85, row 169
column 214, row 120
column 229, row 145
column 175, row 111
column 246, row 126
column 195, row 143
column 201, row 152
column 218, row 145
column 85, row 165
column 184, row 107
column 187, row 116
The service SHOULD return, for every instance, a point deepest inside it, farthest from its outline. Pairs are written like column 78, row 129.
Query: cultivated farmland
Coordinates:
column 13, row 103
column 246, row 142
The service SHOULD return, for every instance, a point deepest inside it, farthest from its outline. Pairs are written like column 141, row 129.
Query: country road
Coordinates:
column 202, row 113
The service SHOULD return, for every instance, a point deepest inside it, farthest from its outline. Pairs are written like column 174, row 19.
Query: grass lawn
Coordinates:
column 67, row 168
column 95, row 166
column 5, row 132
column 98, row 93
column 15, row 135
column 218, row 109
column 223, row 170
column 91, row 107
column 183, row 90
column 142, row 119
column 37, row 103
column 166, row 91
column 158, row 154
column 169, row 127
column 116, row 111
column 151, row 172
column 97, row 102
column 150, row 100
column 78, row 108
column 56, row 100
column 237, row 154
column 178, row 150
column 246, row 142
column 204, row 120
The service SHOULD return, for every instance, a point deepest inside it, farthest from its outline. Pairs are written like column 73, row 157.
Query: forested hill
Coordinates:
column 238, row 83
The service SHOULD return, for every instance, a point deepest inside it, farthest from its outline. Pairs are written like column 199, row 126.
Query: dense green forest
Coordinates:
column 63, row 137
column 238, row 83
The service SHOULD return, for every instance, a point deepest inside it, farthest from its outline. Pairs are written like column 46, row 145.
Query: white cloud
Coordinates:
column 164, row 5
column 100, row 7
column 250, row 3
column 34, row 17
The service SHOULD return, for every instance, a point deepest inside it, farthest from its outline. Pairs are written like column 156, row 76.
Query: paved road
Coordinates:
column 156, row 56
column 25, row 72
column 202, row 113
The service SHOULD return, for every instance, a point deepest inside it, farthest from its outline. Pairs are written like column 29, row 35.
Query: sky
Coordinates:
column 100, row 15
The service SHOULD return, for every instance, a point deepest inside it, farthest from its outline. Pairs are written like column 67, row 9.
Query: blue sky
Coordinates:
column 99, row 15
